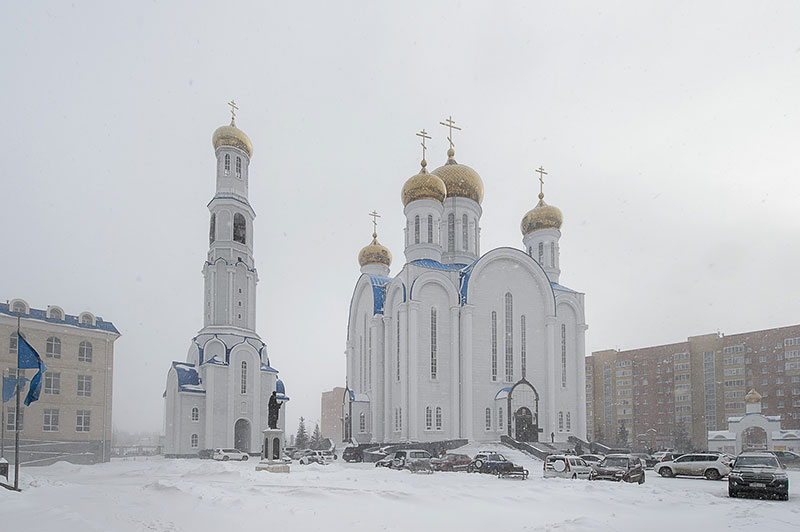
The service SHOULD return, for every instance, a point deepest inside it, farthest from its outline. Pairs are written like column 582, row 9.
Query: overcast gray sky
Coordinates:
column 670, row 131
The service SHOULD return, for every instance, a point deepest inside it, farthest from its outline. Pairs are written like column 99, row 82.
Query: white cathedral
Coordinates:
column 219, row 396
column 464, row 344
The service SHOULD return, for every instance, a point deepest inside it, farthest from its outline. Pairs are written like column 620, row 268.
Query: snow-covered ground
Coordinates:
column 204, row 495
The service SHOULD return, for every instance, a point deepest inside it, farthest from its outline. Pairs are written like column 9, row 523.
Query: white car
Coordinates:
column 565, row 466
column 229, row 454
column 711, row 466
column 312, row 457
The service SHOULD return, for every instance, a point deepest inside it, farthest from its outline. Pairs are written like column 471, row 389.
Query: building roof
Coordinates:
column 379, row 284
column 503, row 393
column 188, row 378
column 41, row 315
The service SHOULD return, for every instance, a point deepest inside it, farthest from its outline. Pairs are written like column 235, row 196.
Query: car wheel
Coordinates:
column 470, row 468
column 712, row 474
column 226, row 458
column 335, row 457
column 244, row 458
column 303, row 461
column 478, row 464
column 732, row 493
column 666, row 472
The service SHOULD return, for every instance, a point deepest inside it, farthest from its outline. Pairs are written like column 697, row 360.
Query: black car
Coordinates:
column 788, row 458
column 620, row 468
column 758, row 474
column 353, row 454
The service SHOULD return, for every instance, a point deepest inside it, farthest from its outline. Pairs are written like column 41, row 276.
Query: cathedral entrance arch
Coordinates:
column 523, row 424
column 241, row 435
column 523, row 401
column 754, row 439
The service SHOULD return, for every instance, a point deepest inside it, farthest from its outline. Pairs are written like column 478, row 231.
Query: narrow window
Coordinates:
column 563, row 355
column 428, row 418
column 195, row 414
column 362, row 422
column 488, row 419
column 494, row 345
column 433, row 344
column 561, row 422
column 55, row 314
column 19, row 308
column 438, row 418
column 523, row 348
column 553, row 254
column 12, row 344
column 464, row 233
column 194, row 440
column 212, row 229
column 52, row 383
column 244, row 377
column 509, row 340
column 416, row 229
column 83, row 421
column 11, row 419
column 84, row 385
column 53, row 349
column 541, row 253
column 451, row 232
column 500, row 419
column 399, row 419
column 86, row 319
column 430, row 229
column 227, row 164
column 239, row 228
column 568, row 422
column 477, row 246
column 398, row 347
column 361, row 361
column 239, row 167
column 85, row 352
column 50, row 421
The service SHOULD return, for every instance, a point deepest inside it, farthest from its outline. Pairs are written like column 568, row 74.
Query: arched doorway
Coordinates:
column 241, row 435
column 523, row 401
column 754, row 439
column 523, row 424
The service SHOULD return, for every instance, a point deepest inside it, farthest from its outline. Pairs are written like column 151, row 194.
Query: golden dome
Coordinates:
column 375, row 253
column 234, row 137
column 461, row 180
column 423, row 186
column 543, row 216
column 752, row 397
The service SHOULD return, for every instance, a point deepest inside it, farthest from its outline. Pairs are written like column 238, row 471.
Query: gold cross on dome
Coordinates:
column 451, row 125
column 541, row 173
column 232, row 103
column 425, row 136
column 375, row 217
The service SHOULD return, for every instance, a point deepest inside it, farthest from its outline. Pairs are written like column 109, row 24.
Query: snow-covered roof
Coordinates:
column 563, row 288
column 188, row 378
column 41, row 315
column 359, row 397
column 379, row 284
column 267, row 367
column 503, row 393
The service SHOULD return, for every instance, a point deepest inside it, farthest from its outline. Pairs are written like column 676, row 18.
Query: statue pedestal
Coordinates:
column 272, row 453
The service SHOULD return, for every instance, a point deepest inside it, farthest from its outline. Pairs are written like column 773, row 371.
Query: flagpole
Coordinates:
column 16, row 420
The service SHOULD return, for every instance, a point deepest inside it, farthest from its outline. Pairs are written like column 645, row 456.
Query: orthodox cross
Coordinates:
column 541, row 173
column 232, row 103
column 375, row 217
column 451, row 125
column 425, row 136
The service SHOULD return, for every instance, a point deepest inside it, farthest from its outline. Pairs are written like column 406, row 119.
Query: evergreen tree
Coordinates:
column 622, row 435
column 301, row 439
column 316, row 438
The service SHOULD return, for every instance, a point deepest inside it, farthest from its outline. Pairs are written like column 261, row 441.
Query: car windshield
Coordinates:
column 615, row 462
column 496, row 457
column 756, row 461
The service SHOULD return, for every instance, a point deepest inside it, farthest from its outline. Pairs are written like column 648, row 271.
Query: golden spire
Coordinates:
column 425, row 136
column 450, row 124
column 375, row 217
column 541, row 173
column 232, row 103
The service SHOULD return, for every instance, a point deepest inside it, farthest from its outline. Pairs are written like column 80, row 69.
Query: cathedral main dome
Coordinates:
column 423, row 186
column 543, row 216
column 375, row 253
column 234, row 137
column 460, row 180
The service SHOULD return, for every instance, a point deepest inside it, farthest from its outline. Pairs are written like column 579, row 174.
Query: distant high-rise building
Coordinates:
column 331, row 415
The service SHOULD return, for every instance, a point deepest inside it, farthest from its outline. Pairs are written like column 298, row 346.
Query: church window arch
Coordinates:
column 434, row 360
column 568, row 423
column 561, row 422
column 428, row 418
column 500, row 419
column 19, row 307
column 195, row 441
column 464, row 232
column 195, row 414
column 244, row 377
column 87, row 319
column 85, row 351
column 438, row 418
column 530, row 251
column 488, row 419
column 523, row 345
column 227, row 164
column 477, row 247
column 239, row 228
column 56, row 314
column 509, row 337
column 494, row 345
column 541, row 252
column 553, row 254
column 563, row 355
column 416, row 229
column 362, row 422
column 238, row 167
column 430, row 229
column 451, row 232
column 53, row 347
column 212, row 229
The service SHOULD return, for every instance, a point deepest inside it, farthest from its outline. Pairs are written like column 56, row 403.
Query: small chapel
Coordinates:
column 218, row 397
column 462, row 342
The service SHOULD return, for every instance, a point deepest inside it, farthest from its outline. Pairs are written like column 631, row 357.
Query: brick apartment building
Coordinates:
column 699, row 383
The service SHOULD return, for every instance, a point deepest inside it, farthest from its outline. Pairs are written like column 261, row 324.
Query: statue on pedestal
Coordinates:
column 274, row 408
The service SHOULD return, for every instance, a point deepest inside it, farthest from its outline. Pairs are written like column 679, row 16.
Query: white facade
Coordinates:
column 433, row 352
column 218, row 397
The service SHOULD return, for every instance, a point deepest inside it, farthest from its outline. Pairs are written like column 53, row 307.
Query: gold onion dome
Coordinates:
column 423, row 186
column 543, row 216
column 752, row 397
column 234, row 137
column 375, row 253
column 461, row 180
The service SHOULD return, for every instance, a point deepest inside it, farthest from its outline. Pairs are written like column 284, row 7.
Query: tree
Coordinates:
column 316, row 438
column 301, row 439
column 622, row 435
column 680, row 438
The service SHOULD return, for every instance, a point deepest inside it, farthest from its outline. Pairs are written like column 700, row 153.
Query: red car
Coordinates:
column 451, row 462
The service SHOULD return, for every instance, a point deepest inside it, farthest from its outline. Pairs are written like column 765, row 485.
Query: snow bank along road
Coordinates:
column 204, row 495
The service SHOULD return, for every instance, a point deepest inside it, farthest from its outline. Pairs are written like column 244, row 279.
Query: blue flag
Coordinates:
column 27, row 357
column 9, row 387
column 36, row 385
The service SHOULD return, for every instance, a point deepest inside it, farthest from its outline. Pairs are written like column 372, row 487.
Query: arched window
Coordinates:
column 430, row 229
column 451, row 232
column 494, row 345
column 541, row 253
column 399, row 419
column 85, row 352
column 568, row 423
column 239, row 167
column 362, row 422
column 477, row 243
column 227, row 164
column 56, row 314
column 239, row 228
column 416, row 229
column 212, row 230
column 195, row 443
column 19, row 308
column 86, row 319
column 500, row 419
column 561, row 422
column 434, row 361
column 488, row 419
column 509, row 337
column 53, row 349
column 195, row 414
column 563, row 356
column 523, row 348
column 244, row 377
column 553, row 254
column 464, row 233
column 428, row 418
column 438, row 418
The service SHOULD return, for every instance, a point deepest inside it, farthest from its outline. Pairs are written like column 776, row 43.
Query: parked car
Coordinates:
column 758, row 473
column 712, row 466
column 563, row 466
column 788, row 458
column 592, row 459
column 353, row 453
column 620, row 468
column 230, row 454
column 665, row 456
column 412, row 459
column 451, row 462
column 310, row 457
column 646, row 459
column 330, row 455
column 487, row 462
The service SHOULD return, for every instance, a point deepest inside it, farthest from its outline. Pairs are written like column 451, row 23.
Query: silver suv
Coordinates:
column 413, row 459
column 709, row 465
